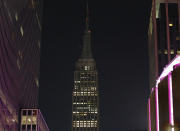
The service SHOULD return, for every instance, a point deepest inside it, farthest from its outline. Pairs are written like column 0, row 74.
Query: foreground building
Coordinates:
column 164, row 100
column 20, row 37
column 163, row 35
column 85, row 97
column 164, row 45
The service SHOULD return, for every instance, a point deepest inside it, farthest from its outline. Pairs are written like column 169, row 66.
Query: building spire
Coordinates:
column 87, row 16
column 86, row 52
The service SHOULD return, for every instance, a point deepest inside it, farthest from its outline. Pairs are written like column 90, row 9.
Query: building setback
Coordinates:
column 85, row 96
column 20, row 39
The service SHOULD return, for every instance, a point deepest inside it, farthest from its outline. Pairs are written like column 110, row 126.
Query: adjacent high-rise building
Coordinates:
column 164, row 35
column 164, row 100
column 20, row 38
column 164, row 61
column 85, row 96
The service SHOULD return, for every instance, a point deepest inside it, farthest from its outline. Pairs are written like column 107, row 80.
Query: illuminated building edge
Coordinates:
column 167, row 73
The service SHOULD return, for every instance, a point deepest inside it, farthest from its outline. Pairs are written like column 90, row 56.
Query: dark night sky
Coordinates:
column 119, row 44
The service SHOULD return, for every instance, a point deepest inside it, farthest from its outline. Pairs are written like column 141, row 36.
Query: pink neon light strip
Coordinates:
column 149, row 104
column 167, row 71
column 157, row 109
column 168, row 68
column 170, row 95
column 152, row 90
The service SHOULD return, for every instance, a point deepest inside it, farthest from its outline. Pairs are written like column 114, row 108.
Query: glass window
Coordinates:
column 24, row 112
column 28, row 126
column 33, row 126
column 23, row 126
column 29, row 112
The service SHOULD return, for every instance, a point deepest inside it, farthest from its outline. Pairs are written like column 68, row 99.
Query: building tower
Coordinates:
column 20, row 38
column 163, row 35
column 85, row 97
column 164, row 61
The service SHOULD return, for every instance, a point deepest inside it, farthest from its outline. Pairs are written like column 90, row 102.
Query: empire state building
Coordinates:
column 85, row 97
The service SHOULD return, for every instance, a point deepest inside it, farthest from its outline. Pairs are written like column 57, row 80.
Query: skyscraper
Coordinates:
column 85, row 95
column 20, row 38
column 164, row 50
column 164, row 36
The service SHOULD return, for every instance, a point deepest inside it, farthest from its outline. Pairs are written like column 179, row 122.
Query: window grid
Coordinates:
column 85, row 99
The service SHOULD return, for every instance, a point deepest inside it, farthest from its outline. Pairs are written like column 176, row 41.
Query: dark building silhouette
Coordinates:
column 85, row 97
column 164, row 61
column 20, row 38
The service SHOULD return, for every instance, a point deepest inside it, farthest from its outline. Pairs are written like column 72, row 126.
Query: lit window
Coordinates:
column 23, row 120
column 86, row 67
column 85, row 93
column 165, row 52
column 84, row 123
column 34, row 119
column 22, row 32
column 78, row 103
column 28, row 120
column 172, row 51
column 16, row 16
column 93, row 88
column 170, row 24
column 178, row 52
column 37, row 82
column 76, row 81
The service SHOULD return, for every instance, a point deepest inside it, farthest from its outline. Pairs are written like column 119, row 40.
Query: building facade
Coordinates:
column 85, row 95
column 163, row 36
column 164, row 100
column 20, row 38
column 164, row 50
column 32, row 120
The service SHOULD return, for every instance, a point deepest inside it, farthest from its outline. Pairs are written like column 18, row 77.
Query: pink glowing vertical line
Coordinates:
column 157, row 109
column 170, row 98
column 149, row 104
